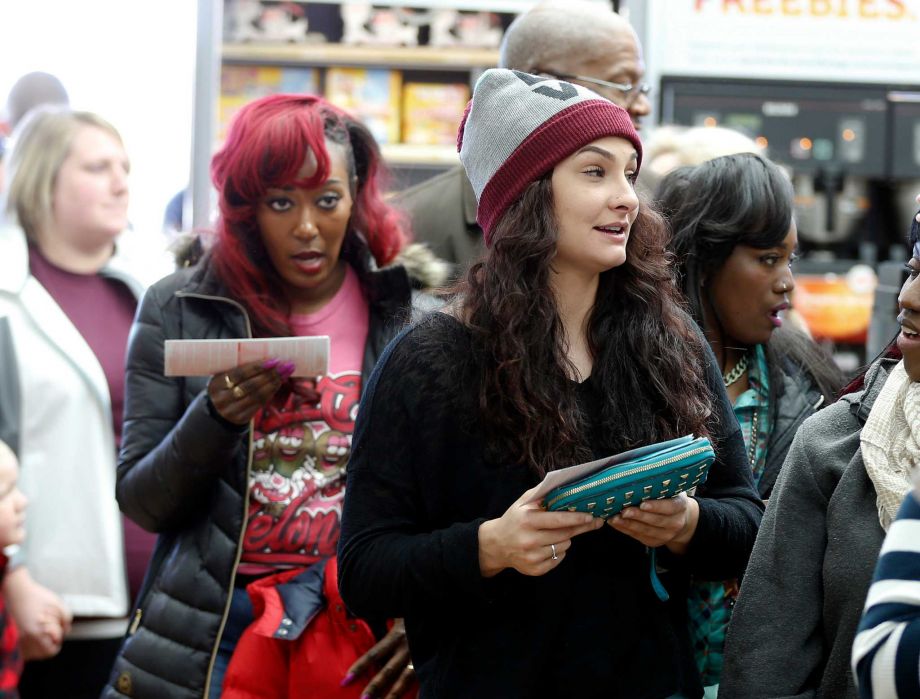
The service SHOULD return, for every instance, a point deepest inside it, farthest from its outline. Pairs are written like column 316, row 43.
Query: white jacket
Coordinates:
column 74, row 543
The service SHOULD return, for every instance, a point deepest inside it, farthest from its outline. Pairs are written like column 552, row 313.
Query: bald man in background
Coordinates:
column 577, row 41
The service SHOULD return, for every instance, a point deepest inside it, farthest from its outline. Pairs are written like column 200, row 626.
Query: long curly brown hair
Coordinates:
column 648, row 354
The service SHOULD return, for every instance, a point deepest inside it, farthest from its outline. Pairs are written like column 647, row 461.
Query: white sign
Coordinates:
column 874, row 41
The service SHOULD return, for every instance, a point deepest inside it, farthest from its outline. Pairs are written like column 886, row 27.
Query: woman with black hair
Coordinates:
column 847, row 472
column 566, row 342
column 734, row 239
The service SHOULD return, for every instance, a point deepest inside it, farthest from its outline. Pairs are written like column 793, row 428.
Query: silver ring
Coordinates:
column 555, row 557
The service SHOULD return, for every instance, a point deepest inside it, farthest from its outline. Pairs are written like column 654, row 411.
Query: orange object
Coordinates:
column 835, row 307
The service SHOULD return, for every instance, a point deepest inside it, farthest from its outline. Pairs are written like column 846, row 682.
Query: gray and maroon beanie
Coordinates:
column 518, row 126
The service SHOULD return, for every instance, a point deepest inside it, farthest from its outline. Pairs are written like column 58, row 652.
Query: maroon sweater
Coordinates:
column 102, row 310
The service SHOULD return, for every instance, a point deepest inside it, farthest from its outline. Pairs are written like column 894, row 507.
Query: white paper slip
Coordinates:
column 562, row 476
column 205, row 357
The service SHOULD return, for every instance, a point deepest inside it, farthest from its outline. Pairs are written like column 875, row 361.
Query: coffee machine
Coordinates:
column 853, row 155
column 831, row 138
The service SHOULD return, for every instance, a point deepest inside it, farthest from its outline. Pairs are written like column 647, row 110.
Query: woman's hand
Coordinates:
column 238, row 394
column 42, row 617
column 397, row 674
column 669, row 522
column 528, row 538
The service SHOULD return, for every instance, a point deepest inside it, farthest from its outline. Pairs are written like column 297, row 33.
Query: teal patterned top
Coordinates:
column 709, row 604
column 751, row 409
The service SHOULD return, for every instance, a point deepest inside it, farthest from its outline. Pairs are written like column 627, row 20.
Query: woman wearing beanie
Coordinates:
column 566, row 342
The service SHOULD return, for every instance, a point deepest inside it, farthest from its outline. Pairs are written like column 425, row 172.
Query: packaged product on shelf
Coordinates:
column 468, row 29
column 242, row 84
column 254, row 20
column 481, row 29
column 432, row 112
column 371, row 94
column 363, row 24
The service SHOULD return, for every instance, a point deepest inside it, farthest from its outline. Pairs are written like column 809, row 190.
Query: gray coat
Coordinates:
column 812, row 564
column 443, row 214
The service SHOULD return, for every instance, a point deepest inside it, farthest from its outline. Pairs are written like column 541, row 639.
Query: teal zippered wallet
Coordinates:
column 654, row 472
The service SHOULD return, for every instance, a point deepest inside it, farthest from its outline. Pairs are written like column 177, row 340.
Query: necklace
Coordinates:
column 752, row 452
column 736, row 372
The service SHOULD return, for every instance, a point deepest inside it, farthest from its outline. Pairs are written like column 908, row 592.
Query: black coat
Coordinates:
column 795, row 397
column 184, row 473
column 420, row 483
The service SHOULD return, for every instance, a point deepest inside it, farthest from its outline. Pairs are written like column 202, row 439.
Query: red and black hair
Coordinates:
column 269, row 141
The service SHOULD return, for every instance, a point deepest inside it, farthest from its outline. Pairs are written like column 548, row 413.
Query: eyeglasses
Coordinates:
column 630, row 92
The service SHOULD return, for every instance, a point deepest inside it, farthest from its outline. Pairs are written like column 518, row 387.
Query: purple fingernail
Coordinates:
column 287, row 368
column 348, row 679
column 270, row 363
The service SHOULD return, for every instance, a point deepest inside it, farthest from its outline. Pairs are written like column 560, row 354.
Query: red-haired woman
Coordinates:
column 243, row 474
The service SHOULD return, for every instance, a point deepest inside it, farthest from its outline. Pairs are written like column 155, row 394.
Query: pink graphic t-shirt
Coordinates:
column 300, row 450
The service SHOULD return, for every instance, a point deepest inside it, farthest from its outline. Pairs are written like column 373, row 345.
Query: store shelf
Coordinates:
column 513, row 6
column 403, row 154
column 321, row 55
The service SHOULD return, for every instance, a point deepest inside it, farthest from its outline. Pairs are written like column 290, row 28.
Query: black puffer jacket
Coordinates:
column 183, row 474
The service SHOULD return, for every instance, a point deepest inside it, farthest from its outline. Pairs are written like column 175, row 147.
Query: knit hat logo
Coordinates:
column 519, row 126
column 564, row 92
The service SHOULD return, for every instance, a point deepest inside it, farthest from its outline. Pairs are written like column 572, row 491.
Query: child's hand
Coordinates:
column 42, row 617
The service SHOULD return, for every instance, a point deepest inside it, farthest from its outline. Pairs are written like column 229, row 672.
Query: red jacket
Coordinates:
column 10, row 655
column 302, row 641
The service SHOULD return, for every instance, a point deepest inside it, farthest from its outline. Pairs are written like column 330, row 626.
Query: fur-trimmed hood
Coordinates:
column 426, row 270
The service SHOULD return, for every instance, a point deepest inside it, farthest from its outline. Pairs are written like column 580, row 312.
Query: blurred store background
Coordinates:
column 829, row 88
column 132, row 62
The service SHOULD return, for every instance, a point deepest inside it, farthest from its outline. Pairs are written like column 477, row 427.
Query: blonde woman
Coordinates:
column 68, row 291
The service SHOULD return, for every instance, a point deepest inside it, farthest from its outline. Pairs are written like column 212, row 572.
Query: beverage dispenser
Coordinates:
column 832, row 139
